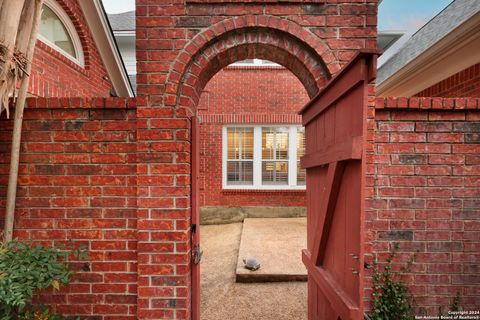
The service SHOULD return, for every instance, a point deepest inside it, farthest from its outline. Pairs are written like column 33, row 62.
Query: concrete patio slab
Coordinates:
column 224, row 299
column 277, row 244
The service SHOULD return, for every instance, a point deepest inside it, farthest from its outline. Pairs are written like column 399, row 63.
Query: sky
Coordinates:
column 117, row 6
column 408, row 15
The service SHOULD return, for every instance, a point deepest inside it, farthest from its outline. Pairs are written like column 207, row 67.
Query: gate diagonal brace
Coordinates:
column 325, row 216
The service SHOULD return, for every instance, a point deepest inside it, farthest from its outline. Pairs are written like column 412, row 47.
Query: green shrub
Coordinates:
column 392, row 299
column 40, row 315
column 26, row 269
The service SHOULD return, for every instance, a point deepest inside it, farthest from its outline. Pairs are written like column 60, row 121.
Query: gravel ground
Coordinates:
column 223, row 299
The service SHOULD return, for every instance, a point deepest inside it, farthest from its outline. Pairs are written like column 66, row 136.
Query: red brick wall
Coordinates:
column 465, row 83
column 242, row 95
column 54, row 75
column 77, row 182
column 425, row 173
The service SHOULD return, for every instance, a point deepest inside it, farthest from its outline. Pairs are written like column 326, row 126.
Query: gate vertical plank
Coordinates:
column 352, row 249
column 329, row 125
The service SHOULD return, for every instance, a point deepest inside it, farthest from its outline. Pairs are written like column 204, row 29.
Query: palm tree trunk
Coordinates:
column 27, row 37
column 10, row 13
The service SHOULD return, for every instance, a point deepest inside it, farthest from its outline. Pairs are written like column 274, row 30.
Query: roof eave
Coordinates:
column 124, row 33
column 103, row 36
column 453, row 53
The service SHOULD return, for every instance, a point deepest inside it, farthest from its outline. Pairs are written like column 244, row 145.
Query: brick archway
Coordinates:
column 202, row 59
column 279, row 40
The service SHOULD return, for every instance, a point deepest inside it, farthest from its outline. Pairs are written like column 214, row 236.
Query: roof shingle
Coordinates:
column 122, row 21
column 455, row 14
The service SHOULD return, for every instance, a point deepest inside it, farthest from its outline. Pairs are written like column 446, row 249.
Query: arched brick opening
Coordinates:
column 254, row 43
column 278, row 40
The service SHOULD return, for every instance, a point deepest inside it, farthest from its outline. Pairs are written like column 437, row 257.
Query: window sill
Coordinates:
column 291, row 191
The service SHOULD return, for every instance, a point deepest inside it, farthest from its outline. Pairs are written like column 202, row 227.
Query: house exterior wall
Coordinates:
column 54, row 75
column 424, row 176
column 242, row 95
column 465, row 83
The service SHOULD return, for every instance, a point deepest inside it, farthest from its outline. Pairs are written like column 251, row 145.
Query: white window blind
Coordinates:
column 240, row 156
column 263, row 157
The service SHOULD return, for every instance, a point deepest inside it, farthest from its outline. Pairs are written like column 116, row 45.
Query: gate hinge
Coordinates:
column 194, row 228
column 197, row 254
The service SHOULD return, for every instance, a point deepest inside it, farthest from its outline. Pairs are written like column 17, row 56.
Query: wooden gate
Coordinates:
column 195, row 228
column 335, row 126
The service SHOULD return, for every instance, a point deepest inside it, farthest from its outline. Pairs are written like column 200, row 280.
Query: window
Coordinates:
column 301, row 173
column 240, row 156
column 263, row 157
column 275, row 156
column 57, row 30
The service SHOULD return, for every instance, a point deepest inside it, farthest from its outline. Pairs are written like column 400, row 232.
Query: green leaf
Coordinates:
column 25, row 269
column 56, row 285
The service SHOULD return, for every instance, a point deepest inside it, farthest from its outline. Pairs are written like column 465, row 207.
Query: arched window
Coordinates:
column 57, row 30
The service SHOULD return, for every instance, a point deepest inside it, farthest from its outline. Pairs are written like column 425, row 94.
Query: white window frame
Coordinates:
column 256, row 63
column 257, row 158
column 72, row 32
